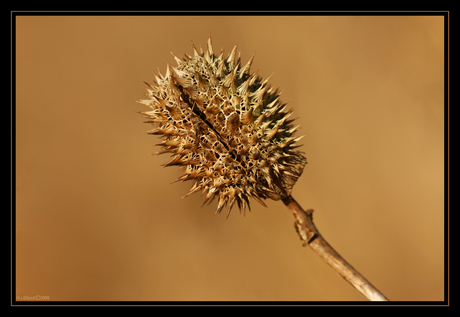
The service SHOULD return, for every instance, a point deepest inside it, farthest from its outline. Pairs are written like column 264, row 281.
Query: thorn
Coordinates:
column 168, row 73
column 195, row 52
column 160, row 76
column 177, row 59
column 231, row 57
column 210, row 46
column 221, row 55
column 220, row 70
column 266, row 80
column 243, row 88
column 196, row 187
column 222, row 202
column 260, row 201
column 230, row 206
column 246, row 68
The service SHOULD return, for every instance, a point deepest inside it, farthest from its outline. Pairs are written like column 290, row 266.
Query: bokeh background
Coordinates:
column 97, row 217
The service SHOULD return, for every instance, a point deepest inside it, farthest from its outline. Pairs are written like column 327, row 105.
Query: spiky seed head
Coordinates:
column 226, row 127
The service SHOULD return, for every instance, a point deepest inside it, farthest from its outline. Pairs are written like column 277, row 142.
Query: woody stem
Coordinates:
column 311, row 237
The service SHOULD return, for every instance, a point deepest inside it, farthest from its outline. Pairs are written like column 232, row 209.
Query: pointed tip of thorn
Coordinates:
column 177, row 59
column 210, row 50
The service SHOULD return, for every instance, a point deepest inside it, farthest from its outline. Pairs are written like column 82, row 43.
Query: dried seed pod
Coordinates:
column 226, row 127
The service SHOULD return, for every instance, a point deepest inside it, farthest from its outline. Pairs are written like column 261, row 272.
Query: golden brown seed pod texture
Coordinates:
column 226, row 127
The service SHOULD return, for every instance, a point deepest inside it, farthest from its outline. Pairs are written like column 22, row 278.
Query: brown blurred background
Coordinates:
column 97, row 217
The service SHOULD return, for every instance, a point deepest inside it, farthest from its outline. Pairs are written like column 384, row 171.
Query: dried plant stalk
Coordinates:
column 311, row 237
